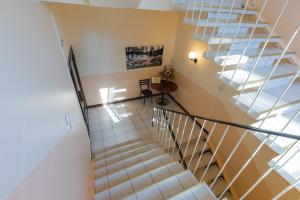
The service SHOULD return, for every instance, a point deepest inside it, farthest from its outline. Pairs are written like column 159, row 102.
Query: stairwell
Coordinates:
column 141, row 167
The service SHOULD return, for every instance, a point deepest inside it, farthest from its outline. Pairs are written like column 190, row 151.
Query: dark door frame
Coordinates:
column 72, row 65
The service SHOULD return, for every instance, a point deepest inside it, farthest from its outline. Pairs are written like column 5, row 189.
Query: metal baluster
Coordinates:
column 187, row 9
column 193, row 14
column 173, row 151
column 158, row 125
column 235, row 34
column 191, row 133
column 270, row 169
column 263, row 49
column 229, row 158
column 225, row 29
column 167, row 128
column 182, row 136
column 214, row 154
column 172, row 128
column 198, row 140
column 199, row 17
column 286, row 189
column 248, row 41
column 273, row 70
column 206, row 23
column 163, row 125
column 215, row 25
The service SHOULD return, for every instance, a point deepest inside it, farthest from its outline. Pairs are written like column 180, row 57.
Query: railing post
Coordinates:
column 287, row 189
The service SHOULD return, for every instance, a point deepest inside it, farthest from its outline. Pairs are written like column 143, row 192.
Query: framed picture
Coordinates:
column 144, row 56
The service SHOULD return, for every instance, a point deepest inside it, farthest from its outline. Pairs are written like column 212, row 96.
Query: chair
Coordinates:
column 145, row 91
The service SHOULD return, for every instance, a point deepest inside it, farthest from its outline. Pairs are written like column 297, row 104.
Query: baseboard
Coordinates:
column 121, row 101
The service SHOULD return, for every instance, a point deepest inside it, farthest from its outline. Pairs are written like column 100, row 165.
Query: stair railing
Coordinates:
column 171, row 127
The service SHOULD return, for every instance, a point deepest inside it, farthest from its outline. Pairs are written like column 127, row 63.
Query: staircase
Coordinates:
column 251, row 57
column 141, row 169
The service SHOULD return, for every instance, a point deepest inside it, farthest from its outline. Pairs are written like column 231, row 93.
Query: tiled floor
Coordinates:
column 117, row 123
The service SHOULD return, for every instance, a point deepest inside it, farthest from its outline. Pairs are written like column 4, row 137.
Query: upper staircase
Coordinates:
column 253, row 60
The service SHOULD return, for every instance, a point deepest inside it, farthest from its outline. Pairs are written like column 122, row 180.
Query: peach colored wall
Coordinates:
column 198, row 86
column 288, row 23
column 40, row 158
column 117, row 86
column 99, row 37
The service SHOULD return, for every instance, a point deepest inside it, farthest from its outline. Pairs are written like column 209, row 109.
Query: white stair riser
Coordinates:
column 231, row 30
column 244, row 45
column 218, row 40
column 224, row 16
column 226, row 3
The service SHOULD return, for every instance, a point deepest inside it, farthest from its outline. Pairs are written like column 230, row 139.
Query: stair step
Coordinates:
column 206, row 157
column 130, row 172
column 235, row 56
column 240, row 38
column 215, row 8
column 249, row 53
column 219, row 186
column 283, row 71
column 198, row 192
column 122, row 164
column 127, row 154
column 167, row 187
column 141, row 181
column 192, row 146
column 267, row 99
column 122, row 148
column 210, row 175
column 223, row 23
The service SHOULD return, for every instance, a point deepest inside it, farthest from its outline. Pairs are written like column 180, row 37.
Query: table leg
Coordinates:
column 162, row 101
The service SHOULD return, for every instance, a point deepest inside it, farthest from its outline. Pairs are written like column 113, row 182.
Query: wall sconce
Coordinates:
column 193, row 56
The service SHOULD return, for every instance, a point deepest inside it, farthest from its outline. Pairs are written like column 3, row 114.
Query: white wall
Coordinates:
column 36, row 91
column 99, row 37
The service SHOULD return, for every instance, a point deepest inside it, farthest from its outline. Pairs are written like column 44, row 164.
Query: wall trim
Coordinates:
column 121, row 101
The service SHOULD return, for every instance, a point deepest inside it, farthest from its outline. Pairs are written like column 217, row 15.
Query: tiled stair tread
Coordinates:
column 131, row 172
column 199, row 191
column 259, row 74
column 127, row 154
column 248, row 53
column 142, row 180
column 167, row 187
column 115, row 167
column 217, row 23
column 224, row 9
column 268, row 97
column 219, row 186
column 119, row 149
column 239, row 38
column 210, row 175
column 204, row 161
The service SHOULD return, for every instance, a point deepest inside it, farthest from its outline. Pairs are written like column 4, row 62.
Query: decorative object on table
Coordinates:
column 193, row 55
column 168, row 73
column 156, row 79
column 144, row 56
column 145, row 89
